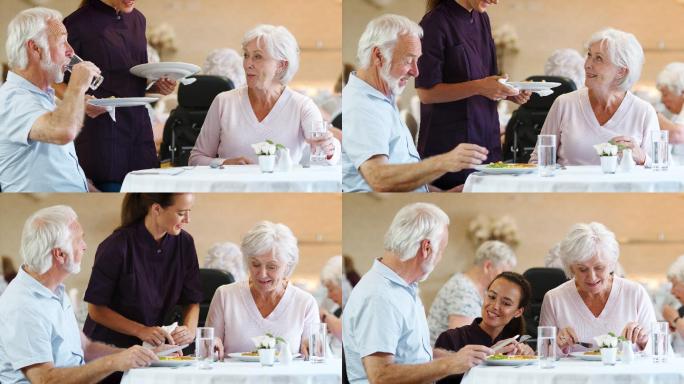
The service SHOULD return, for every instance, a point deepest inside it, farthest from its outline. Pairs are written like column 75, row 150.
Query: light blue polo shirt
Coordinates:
column 384, row 314
column 372, row 126
column 38, row 326
column 27, row 165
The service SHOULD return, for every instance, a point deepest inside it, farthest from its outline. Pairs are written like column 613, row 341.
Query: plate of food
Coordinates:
column 173, row 361
column 501, row 168
column 590, row 355
column 532, row 85
column 510, row 360
column 119, row 102
column 170, row 70
column 253, row 356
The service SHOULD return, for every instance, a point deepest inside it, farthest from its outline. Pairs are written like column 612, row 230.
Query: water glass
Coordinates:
column 660, row 341
column 318, row 334
column 546, row 155
column 204, row 347
column 97, row 80
column 660, row 151
column 319, row 130
column 546, row 346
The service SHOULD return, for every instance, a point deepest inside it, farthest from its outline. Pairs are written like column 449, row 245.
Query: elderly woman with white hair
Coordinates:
column 460, row 300
column 266, row 109
column 670, row 312
column 225, row 62
column 595, row 301
column 267, row 302
column 226, row 257
column 335, row 283
column 604, row 111
column 670, row 83
column 566, row 62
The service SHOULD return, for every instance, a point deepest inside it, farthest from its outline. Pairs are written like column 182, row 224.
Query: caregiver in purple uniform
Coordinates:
column 111, row 34
column 143, row 270
column 458, row 84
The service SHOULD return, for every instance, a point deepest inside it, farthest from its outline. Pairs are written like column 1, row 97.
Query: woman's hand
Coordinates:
column 218, row 348
column 635, row 333
column 491, row 88
column 521, row 98
column 566, row 338
column 237, row 161
column 521, row 349
column 628, row 142
column 164, row 86
column 154, row 335
column 183, row 335
column 325, row 143
column 93, row 111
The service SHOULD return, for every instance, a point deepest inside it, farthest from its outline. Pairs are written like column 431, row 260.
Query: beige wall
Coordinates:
column 638, row 221
column 315, row 220
column 202, row 25
column 546, row 25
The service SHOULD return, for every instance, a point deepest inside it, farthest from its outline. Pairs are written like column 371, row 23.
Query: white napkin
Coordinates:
column 112, row 113
column 168, row 328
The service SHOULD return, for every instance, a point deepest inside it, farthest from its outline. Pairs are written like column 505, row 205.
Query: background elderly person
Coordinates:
column 267, row 109
column 605, row 110
column 670, row 83
column 595, row 301
column 671, row 312
column 267, row 302
column 225, row 62
column 226, row 257
column 336, row 285
column 460, row 300
column 568, row 63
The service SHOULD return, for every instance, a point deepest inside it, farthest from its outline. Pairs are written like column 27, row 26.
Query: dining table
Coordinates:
column 234, row 371
column 234, row 178
column 580, row 178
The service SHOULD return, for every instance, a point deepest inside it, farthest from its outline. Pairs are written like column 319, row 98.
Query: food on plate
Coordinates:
column 176, row 358
column 501, row 164
column 511, row 357
column 254, row 354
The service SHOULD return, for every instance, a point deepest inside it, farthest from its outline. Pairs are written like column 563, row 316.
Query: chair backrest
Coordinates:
column 542, row 280
column 185, row 122
column 211, row 279
column 527, row 121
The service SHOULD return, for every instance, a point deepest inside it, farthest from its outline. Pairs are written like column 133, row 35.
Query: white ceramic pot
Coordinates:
column 267, row 163
column 609, row 164
column 267, row 356
column 609, row 356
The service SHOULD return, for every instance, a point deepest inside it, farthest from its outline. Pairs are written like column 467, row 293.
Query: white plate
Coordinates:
column 582, row 356
column 172, row 363
column 504, row 171
column 122, row 101
column 533, row 85
column 511, row 362
column 171, row 70
column 253, row 359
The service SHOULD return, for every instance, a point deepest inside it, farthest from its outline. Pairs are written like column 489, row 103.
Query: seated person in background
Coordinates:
column 501, row 318
column 266, row 109
column 671, row 313
column 595, row 301
column 41, row 342
column 379, row 153
column 605, row 110
column 225, row 62
column 334, row 282
column 568, row 63
column 267, row 302
column 670, row 83
column 37, row 151
column 460, row 300
column 226, row 257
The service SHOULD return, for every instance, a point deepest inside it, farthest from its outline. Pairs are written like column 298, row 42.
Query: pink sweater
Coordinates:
column 236, row 318
column 628, row 301
column 231, row 127
column 574, row 123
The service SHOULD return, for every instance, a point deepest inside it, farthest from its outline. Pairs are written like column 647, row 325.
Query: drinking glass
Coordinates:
column 546, row 154
column 204, row 347
column 546, row 346
column 660, row 340
column 660, row 151
column 317, row 342
column 319, row 130
column 97, row 80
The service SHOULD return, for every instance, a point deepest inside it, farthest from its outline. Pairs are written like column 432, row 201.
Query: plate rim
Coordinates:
column 238, row 356
column 503, row 171
column 506, row 362
column 137, row 69
column 145, row 100
column 542, row 84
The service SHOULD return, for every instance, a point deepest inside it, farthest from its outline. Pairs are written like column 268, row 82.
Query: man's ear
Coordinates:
column 58, row 256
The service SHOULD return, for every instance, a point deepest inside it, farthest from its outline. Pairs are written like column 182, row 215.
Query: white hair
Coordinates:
column 280, row 44
column 676, row 270
column 586, row 241
column 568, row 63
column 498, row 252
column 29, row 24
column 268, row 237
column 672, row 78
column 44, row 231
column 225, row 62
column 332, row 271
column 623, row 50
column 383, row 32
column 226, row 257
column 412, row 224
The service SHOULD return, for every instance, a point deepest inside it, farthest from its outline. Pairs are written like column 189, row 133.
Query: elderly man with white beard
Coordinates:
column 36, row 136
column 41, row 342
column 378, row 152
column 386, row 337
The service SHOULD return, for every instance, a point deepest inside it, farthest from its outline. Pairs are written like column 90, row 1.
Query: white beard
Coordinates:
column 427, row 267
column 392, row 82
column 54, row 70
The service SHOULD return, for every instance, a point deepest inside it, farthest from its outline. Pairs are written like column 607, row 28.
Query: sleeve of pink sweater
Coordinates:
column 215, row 316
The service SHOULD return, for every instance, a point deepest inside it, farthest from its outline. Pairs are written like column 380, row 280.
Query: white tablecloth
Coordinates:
column 572, row 371
column 234, row 178
column 299, row 372
column 581, row 179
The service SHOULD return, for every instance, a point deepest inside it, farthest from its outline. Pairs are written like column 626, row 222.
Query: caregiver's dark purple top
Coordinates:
column 107, row 150
column 141, row 279
column 457, row 47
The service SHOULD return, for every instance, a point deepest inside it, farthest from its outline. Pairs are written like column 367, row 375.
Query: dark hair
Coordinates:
column 83, row 3
column 432, row 4
column 8, row 270
column 517, row 325
column 136, row 205
column 349, row 271
column 347, row 69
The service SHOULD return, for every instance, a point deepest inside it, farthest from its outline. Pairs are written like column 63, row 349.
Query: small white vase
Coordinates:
column 285, row 356
column 627, row 352
column 609, row 356
column 267, row 163
column 267, row 357
column 609, row 164
column 627, row 162
column 283, row 160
